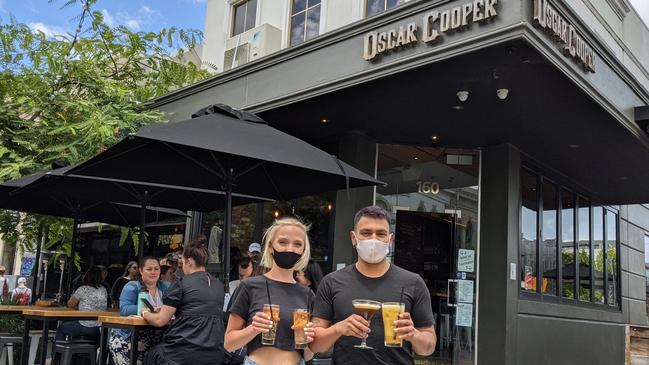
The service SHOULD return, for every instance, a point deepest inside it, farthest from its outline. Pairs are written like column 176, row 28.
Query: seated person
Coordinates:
column 90, row 296
column 119, row 343
column 196, row 299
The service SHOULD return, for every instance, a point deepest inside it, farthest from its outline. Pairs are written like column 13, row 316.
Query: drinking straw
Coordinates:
column 272, row 317
column 400, row 301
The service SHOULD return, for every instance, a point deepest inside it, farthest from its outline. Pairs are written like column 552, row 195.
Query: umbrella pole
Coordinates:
column 227, row 228
column 140, row 246
column 71, row 258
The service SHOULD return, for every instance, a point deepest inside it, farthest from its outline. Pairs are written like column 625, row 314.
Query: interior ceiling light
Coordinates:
column 434, row 138
column 324, row 120
column 502, row 93
column 415, row 158
column 457, row 107
column 462, row 95
column 574, row 145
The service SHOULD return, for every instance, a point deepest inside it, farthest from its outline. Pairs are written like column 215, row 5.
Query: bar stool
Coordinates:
column 34, row 338
column 6, row 348
column 67, row 350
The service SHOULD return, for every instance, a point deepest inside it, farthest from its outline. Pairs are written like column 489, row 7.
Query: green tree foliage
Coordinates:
column 70, row 96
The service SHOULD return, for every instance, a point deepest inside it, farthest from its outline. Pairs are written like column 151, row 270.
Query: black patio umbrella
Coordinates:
column 221, row 148
column 65, row 204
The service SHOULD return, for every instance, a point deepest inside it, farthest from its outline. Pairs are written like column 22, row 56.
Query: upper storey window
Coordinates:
column 305, row 20
column 376, row 6
column 245, row 15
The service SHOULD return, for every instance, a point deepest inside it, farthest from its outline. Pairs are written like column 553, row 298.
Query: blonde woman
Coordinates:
column 286, row 249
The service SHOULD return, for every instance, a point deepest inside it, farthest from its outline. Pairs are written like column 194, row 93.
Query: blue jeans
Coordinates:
column 75, row 329
column 247, row 361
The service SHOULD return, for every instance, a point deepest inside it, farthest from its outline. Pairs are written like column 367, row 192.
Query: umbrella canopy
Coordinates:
column 88, row 188
column 60, row 205
column 225, row 149
column 216, row 145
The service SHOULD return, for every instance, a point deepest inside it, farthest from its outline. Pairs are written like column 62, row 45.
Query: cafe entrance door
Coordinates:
column 434, row 214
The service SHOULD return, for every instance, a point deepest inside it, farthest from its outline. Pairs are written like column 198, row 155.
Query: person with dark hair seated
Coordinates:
column 167, row 273
column 196, row 300
column 91, row 296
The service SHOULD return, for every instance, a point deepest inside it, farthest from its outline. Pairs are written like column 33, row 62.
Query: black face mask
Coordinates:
column 286, row 260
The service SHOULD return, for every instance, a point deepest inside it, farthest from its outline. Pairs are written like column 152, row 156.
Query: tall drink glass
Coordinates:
column 300, row 319
column 272, row 312
column 365, row 309
column 391, row 312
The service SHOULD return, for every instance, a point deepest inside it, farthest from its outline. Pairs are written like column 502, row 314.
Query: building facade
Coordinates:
column 513, row 138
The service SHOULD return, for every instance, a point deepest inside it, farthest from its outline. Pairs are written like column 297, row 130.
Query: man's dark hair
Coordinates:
column 373, row 212
column 164, row 269
column 197, row 250
column 92, row 277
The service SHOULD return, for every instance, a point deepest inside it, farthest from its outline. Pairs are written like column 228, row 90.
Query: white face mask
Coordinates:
column 372, row 251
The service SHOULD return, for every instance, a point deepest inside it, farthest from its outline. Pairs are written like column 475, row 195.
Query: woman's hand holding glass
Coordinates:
column 261, row 323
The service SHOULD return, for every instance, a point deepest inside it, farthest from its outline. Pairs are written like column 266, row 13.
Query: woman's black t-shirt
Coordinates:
column 250, row 297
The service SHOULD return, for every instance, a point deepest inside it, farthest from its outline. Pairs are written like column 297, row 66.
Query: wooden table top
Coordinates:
column 65, row 313
column 21, row 308
column 129, row 321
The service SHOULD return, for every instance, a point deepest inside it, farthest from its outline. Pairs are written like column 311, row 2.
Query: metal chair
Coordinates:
column 67, row 350
column 6, row 348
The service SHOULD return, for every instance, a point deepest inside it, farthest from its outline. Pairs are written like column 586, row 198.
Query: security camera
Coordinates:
column 502, row 93
column 462, row 95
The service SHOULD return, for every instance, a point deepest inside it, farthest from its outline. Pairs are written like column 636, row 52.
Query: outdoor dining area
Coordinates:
column 221, row 158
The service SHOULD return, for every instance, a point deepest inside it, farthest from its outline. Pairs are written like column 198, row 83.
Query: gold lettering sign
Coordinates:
column 435, row 23
column 574, row 45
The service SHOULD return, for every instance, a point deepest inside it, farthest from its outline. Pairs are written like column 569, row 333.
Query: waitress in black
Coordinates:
column 286, row 249
column 196, row 299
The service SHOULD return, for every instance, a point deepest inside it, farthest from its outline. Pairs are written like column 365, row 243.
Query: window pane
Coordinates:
column 393, row 3
column 298, row 6
column 611, row 256
column 239, row 19
column 598, row 252
column 567, row 243
column 251, row 15
column 529, row 213
column 374, row 7
column 297, row 28
column 549, row 246
column 313, row 3
column 584, row 250
column 313, row 22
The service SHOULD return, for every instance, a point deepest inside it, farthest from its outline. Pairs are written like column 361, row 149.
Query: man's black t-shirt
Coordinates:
column 334, row 304
column 250, row 297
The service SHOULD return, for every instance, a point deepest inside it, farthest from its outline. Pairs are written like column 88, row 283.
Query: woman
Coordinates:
column 167, row 273
column 246, row 269
column 90, row 296
column 287, row 249
column 310, row 276
column 120, row 343
column 196, row 299
column 130, row 273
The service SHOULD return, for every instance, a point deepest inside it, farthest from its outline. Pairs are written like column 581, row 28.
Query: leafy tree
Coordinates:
column 70, row 96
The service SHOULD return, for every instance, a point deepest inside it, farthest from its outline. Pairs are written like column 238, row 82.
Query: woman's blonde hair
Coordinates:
column 269, row 236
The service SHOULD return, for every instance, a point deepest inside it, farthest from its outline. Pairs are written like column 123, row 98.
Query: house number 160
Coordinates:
column 427, row 187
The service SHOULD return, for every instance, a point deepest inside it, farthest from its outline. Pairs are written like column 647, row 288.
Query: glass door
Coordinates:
column 432, row 194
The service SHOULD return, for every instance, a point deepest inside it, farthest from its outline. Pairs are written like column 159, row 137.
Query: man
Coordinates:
column 254, row 252
column 372, row 277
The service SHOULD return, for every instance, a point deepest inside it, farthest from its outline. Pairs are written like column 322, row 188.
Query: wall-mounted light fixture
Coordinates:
column 462, row 95
column 502, row 93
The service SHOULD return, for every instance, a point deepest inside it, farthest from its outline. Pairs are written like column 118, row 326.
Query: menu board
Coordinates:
column 465, row 260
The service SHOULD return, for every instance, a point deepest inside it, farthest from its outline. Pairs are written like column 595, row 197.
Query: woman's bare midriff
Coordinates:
column 268, row 355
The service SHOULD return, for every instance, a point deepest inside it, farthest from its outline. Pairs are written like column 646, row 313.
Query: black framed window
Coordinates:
column 583, row 224
column 529, row 230
column 245, row 16
column 549, row 283
column 373, row 7
column 569, row 246
column 598, row 254
column 611, row 257
column 305, row 20
column 568, row 201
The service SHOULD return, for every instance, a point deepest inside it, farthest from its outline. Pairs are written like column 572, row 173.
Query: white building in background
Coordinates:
column 240, row 31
